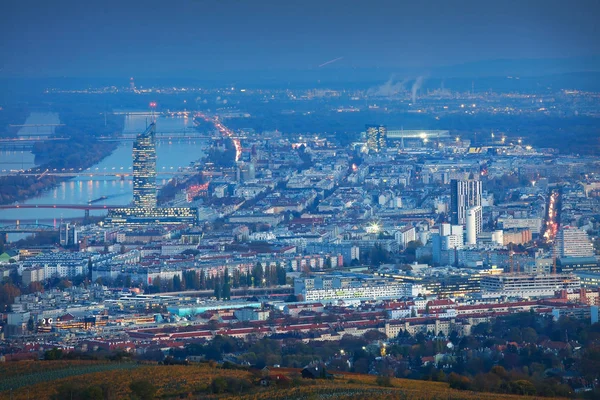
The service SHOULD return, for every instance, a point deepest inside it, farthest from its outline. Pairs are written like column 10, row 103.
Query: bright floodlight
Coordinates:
column 374, row 227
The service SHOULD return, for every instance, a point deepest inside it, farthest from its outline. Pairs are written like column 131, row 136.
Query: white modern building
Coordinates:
column 528, row 285
column 57, row 265
column 474, row 223
column 573, row 242
column 508, row 223
column 464, row 194
column 406, row 235
column 352, row 286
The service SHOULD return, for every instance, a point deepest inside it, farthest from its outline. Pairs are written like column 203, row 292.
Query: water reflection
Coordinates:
column 118, row 191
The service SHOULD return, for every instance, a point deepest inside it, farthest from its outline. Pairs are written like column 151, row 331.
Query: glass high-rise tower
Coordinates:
column 145, row 210
column 144, row 169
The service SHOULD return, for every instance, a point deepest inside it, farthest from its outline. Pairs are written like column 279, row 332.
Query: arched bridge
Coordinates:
column 63, row 206
column 27, row 228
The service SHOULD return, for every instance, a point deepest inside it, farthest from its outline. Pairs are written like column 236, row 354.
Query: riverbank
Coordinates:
column 82, row 150
column 75, row 155
column 80, row 190
column 168, row 192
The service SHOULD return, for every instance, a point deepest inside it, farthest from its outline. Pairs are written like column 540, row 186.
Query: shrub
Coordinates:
column 457, row 381
column 384, row 381
column 143, row 389
column 223, row 384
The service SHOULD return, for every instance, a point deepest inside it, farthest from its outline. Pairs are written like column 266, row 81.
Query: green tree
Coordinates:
column 8, row 292
column 218, row 289
column 226, row 294
column 529, row 335
column 76, row 392
column 412, row 246
column 379, row 255
column 53, row 354
column 281, row 275
column 219, row 385
column 201, row 281
column 157, row 285
column 236, row 279
column 143, row 389
column 176, row 283
column 170, row 287
column 589, row 363
column 64, row 284
column 457, row 381
column 258, row 274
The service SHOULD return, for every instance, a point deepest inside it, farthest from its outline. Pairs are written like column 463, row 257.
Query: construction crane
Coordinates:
column 510, row 260
column 554, row 258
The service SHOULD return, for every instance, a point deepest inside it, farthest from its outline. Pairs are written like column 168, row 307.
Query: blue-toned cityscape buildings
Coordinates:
column 315, row 235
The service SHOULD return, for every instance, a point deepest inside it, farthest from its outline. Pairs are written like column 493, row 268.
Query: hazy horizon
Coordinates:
column 228, row 38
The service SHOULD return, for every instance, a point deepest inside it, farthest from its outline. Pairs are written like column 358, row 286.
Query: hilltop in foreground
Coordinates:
column 101, row 380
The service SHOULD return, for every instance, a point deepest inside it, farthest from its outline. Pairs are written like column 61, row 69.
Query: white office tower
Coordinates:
column 573, row 242
column 452, row 242
column 457, row 230
column 464, row 194
column 474, row 222
column 498, row 237
column 445, row 229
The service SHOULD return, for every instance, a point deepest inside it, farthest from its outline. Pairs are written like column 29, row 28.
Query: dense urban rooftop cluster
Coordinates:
column 311, row 237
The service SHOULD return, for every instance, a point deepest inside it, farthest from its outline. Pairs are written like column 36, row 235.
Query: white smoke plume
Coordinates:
column 388, row 89
column 415, row 87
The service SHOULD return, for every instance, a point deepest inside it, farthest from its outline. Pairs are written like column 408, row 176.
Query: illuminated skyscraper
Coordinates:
column 145, row 210
column 144, row 169
column 376, row 137
column 463, row 195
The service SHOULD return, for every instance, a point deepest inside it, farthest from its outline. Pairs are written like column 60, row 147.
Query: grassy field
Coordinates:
column 43, row 378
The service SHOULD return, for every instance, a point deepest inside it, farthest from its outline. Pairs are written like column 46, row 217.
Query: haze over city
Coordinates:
column 235, row 38
column 299, row 200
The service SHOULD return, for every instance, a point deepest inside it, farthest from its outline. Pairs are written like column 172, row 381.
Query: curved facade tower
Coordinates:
column 144, row 169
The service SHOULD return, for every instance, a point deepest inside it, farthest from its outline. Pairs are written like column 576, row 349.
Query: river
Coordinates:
column 81, row 190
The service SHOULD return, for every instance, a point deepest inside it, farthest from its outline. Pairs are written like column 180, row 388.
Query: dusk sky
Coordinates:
column 159, row 38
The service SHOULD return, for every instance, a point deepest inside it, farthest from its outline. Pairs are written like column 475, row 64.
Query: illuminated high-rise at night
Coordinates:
column 464, row 194
column 144, row 169
column 376, row 137
column 145, row 209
